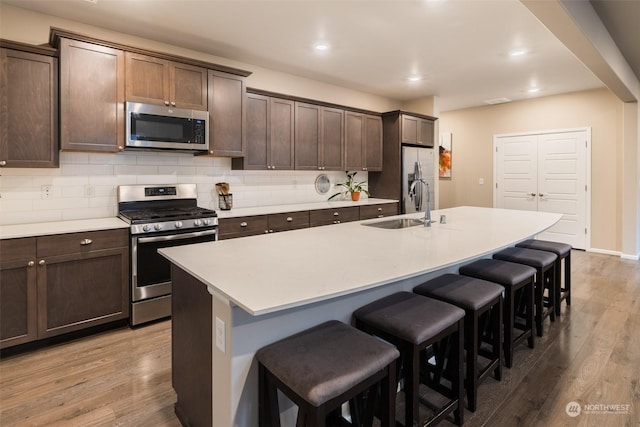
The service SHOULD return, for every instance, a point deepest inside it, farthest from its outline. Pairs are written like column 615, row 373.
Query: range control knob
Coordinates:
column 179, row 224
column 158, row 226
column 197, row 222
column 146, row 227
column 206, row 221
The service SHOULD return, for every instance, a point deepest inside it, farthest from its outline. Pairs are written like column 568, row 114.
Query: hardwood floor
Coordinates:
column 590, row 355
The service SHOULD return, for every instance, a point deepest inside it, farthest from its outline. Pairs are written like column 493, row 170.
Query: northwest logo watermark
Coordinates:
column 573, row 409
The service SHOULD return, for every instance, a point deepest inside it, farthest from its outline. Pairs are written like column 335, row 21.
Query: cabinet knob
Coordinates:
column 31, row 264
column 336, row 221
column 120, row 148
column 289, row 219
column 336, row 214
column 273, row 167
column 379, row 209
column 86, row 242
column 243, row 224
column 364, row 169
column 42, row 262
column 173, row 103
column 166, row 103
column 3, row 163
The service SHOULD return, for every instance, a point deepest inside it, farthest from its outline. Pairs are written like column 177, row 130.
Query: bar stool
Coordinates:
column 563, row 252
column 321, row 368
column 477, row 298
column 412, row 323
column 518, row 282
column 544, row 263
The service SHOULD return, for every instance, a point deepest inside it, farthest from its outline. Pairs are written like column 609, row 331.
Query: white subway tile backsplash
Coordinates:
column 85, row 184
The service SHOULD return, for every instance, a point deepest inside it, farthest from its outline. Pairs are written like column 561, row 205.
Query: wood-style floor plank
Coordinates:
column 590, row 355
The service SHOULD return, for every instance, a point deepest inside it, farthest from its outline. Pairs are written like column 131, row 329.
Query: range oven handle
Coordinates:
column 177, row 236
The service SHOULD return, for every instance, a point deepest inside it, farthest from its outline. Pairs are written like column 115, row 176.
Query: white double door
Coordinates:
column 546, row 172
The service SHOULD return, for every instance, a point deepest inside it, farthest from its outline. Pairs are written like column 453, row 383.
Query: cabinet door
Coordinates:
column 378, row 211
column 409, row 129
column 426, row 134
column 353, row 141
column 332, row 139
column 29, row 113
column 91, row 97
column 307, row 139
column 147, row 79
column 18, row 303
column 333, row 216
column 227, row 110
column 230, row 228
column 373, row 143
column 76, row 291
column 281, row 138
column 188, row 86
column 258, row 129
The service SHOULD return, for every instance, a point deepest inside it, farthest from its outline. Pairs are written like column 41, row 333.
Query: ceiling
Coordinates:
column 458, row 48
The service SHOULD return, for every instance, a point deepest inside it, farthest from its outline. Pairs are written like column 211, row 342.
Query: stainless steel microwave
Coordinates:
column 166, row 128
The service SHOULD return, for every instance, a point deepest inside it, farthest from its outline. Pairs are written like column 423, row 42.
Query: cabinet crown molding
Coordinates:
column 57, row 33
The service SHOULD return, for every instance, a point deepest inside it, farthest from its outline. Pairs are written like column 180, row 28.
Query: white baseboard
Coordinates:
column 605, row 251
column 631, row 257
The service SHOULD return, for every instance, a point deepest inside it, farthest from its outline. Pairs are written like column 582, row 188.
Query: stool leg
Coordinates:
column 268, row 412
column 539, row 303
column 530, row 312
column 553, row 289
column 388, row 390
column 411, row 384
column 496, row 315
column 471, row 341
column 458, row 374
column 567, row 277
column 509, row 314
column 558, row 285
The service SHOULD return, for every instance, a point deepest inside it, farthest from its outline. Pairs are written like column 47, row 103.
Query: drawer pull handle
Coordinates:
column 379, row 209
column 86, row 242
column 336, row 214
column 380, row 216
column 243, row 224
column 31, row 264
column 336, row 221
column 3, row 163
column 42, row 262
column 289, row 219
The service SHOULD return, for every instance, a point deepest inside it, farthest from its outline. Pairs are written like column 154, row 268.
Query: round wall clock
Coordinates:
column 323, row 184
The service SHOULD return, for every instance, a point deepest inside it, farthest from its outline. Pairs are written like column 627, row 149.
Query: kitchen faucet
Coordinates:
column 427, row 209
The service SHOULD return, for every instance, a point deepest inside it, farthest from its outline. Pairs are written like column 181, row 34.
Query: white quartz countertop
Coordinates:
column 272, row 272
column 60, row 227
column 266, row 210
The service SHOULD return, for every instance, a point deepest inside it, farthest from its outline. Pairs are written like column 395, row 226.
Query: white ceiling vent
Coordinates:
column 497, row 101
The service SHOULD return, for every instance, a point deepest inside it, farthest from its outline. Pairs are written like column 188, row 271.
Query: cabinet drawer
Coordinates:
column 333, row 216
column 288, row 221
column 62, row 244
column 378, row 211
column 17, row 250
column 229, row 228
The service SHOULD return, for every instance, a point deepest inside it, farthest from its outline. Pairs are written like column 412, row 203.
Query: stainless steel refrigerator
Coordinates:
column 417, row 162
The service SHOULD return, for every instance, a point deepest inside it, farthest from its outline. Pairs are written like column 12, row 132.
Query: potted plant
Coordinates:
column 352, row 187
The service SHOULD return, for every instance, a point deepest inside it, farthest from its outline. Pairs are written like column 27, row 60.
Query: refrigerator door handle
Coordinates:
column 417, row 175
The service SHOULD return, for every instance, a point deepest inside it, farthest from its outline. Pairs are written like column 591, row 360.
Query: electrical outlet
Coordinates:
column 45, row 191
column 89, row 190
column 220, row 334
column 481, row 181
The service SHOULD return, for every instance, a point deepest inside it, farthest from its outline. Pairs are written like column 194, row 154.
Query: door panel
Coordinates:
column 516, row 167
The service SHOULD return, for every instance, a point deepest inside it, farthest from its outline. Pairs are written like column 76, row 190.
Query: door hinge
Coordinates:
column 585, row 187
column 496, row 185
column 585, row 231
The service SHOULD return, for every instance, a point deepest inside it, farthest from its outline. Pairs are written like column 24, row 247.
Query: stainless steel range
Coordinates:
column 160, row 216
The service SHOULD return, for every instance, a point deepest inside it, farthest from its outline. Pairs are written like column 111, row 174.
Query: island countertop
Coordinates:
column 269, row 273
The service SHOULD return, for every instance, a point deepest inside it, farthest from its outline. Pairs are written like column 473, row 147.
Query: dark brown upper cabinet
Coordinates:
column 363, row 142
column 227, row 111
column 417, row 130
column 159, row 81
column 270, row 134
column 319, row 137
column 91, row 97
column 29, row 100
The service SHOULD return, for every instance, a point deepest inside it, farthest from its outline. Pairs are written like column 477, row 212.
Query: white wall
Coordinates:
column 85, row 184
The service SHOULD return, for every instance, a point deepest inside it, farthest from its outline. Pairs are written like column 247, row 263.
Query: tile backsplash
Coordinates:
column 84, row 186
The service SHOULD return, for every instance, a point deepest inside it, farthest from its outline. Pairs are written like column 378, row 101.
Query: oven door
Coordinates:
column 150, row 271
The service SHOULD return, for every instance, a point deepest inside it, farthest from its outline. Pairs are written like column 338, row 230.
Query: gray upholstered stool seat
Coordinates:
column 544, row 263
column 518, row 283
column 412, row 323
column 478, row 298
column 323, row 367
column 563, row 251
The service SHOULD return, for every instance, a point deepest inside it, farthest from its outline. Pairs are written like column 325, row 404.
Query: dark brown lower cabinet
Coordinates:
column 62, row 283
column 333, row 216
column 378, row 211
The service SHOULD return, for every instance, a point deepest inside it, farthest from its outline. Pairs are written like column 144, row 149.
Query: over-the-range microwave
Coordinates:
column 166, row 128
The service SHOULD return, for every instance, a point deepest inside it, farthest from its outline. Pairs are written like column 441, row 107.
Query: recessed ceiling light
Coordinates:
column 321, row 46
column 91, row 1
column 517, row 52
column 533, row 89
column 497, row 101
column 415, row 78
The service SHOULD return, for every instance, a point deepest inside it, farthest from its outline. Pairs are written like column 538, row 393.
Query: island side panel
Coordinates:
column 191, row 349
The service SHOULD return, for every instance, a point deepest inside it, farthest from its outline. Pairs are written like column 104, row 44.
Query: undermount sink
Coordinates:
column 393, row 224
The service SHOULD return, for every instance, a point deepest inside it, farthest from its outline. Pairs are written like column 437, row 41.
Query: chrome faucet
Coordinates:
column 427, row 209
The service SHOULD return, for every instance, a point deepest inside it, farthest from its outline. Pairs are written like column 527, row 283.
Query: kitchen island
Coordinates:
column 233, row 297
